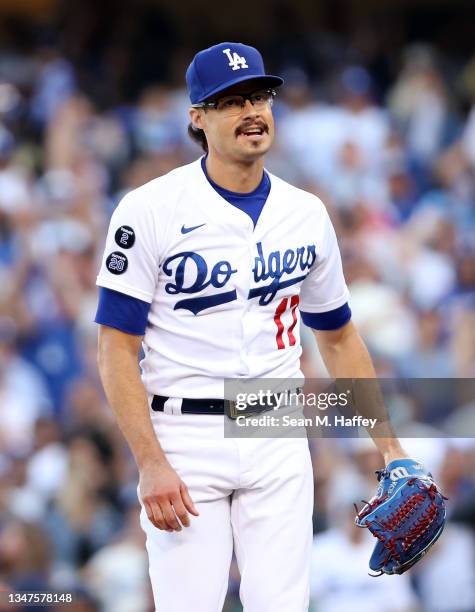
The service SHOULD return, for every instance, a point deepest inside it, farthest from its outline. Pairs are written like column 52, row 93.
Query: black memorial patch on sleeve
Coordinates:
column 125, row 237
column 117, row 263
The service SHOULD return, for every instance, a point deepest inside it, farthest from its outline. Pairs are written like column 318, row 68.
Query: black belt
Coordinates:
column 217, row 406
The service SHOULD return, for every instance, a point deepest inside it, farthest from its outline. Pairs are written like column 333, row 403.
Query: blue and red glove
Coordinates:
column 406, row 515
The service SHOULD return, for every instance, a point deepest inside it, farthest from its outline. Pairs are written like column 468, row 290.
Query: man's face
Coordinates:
column 243, row 135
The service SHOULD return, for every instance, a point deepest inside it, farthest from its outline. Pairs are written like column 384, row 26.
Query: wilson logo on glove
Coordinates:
column 406, row 515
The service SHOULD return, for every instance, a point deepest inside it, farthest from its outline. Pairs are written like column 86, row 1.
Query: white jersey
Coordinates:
column 224, row 295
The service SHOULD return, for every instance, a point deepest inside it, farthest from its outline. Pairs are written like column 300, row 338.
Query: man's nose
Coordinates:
column 248, row 109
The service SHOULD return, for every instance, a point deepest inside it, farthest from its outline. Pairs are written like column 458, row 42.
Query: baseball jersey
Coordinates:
column 224, row 293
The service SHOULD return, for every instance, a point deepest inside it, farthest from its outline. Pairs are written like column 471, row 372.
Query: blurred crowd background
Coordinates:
column 377, row 117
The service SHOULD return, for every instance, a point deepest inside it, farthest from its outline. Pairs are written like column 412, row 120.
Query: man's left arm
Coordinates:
column 324, row 308
column 406, row 491
column 345, row 356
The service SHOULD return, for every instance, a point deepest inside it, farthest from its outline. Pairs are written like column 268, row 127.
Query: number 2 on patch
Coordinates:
column 279, row 311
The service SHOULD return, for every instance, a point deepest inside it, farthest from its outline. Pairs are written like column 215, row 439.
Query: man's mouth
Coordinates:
column 252, row 131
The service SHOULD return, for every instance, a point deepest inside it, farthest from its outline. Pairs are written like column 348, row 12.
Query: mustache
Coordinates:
column 262, row 125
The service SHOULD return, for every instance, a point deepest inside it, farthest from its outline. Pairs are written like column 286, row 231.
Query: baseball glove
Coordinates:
column 406, row 515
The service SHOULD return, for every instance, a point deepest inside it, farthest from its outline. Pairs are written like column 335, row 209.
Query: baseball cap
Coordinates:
column 220, row 66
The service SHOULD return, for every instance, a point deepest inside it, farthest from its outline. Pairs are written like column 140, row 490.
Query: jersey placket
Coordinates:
column 255, row 315
column 234, row 220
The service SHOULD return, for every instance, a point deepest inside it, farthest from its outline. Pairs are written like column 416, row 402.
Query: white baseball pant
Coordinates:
column 255, row 494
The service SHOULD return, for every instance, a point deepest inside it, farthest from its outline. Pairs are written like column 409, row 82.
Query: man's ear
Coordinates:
column 196, row 118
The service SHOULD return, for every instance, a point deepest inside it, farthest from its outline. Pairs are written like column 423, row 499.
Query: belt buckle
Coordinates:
column 232, row 411
column 230, row 408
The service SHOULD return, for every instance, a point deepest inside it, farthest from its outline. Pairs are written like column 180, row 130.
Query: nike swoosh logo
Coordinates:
column 186, row 230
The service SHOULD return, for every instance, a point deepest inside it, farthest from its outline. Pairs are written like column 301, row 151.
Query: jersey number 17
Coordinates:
column 285, row 303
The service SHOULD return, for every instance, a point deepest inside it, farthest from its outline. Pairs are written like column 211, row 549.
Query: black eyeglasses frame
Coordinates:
column 213, row 104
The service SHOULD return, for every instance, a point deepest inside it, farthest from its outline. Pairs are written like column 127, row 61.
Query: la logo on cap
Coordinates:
column 236, row 61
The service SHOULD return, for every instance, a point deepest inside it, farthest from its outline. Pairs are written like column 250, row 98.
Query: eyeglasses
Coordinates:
column 233, row 105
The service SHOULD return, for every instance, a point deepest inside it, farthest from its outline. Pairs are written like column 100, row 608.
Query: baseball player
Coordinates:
column 211, row 269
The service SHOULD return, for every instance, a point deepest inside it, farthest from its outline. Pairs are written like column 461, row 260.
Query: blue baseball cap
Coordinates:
column 217, row 68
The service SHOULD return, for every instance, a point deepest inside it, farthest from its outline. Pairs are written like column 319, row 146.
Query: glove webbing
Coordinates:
column 395, row 520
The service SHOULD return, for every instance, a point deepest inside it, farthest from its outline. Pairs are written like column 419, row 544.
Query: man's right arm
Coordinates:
column 164, row 495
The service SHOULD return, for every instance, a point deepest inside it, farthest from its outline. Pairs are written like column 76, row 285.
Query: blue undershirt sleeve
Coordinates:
column 325, row 321
column 115, row 309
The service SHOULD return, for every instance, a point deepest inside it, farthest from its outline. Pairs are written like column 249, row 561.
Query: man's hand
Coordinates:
column 165, row 497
